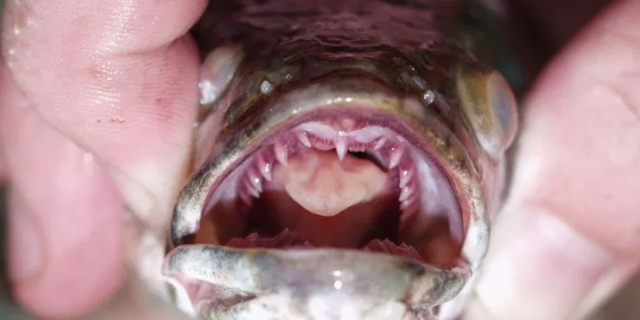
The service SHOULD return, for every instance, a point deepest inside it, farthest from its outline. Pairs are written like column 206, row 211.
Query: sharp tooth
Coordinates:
column 396, row 155
column 408, row 204
column 341, row 147
column 380, row 144
column 406, row 193
column 252, row 190
column 304, row 139
column 281, row 152
column 264, row 166
column 255, row 180
column 405, row 175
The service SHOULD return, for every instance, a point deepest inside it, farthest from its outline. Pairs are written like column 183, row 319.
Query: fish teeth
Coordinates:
column 255, row 180
column 409, row 204
column 304, row 139
column 368, row 134
column 396, row 155
column 406, row 174
column 406, row 192
column 319, row 130
column 357, row 147
column 281, row 152
column 341, row 147
column 264, row 166
column 251, row 189
column 379, row 144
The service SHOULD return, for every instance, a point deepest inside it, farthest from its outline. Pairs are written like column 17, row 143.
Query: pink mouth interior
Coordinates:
column 341, row 183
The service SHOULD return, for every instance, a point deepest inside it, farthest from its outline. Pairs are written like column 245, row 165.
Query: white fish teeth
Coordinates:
column 357, row 147
column 252, row 190
column 265, row 167
column 304, row 139
column 367, row 134
column 379, row 144
column 255, row 180
column 406, row 174
column 319, row 130
column 281, row 152
column 396, row 155
column 341, row 147
column 406, row 193
column 408, row 204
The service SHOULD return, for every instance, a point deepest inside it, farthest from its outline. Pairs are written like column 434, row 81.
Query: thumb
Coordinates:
column 569, row 235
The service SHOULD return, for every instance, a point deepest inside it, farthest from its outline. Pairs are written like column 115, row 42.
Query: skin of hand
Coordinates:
column 97, row 102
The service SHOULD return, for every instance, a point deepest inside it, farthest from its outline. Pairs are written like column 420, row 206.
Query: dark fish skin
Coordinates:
column 427, row 67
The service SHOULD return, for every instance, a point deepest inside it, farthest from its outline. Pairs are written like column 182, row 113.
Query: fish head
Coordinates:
column 349, row 160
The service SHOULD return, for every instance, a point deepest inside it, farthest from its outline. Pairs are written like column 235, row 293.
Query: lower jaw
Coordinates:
column 353, row 282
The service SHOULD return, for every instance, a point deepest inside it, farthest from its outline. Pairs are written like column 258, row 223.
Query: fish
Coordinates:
column 349, row 160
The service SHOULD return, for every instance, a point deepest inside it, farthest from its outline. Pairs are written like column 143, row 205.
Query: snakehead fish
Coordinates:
column 350, row 157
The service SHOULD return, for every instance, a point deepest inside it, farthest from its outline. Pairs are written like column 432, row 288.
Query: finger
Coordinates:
column 570, row 231
column 64, row 219
column 119, row 78
column 155, row 107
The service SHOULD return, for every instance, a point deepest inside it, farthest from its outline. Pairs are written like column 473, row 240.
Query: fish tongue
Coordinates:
column 329, row 202
column 325, row 185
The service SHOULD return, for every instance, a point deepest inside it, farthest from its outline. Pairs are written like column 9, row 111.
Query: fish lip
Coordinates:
column 326, row 95
column 305, row 272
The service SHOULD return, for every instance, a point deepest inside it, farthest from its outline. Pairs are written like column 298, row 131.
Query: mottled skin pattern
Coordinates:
column 384, row 55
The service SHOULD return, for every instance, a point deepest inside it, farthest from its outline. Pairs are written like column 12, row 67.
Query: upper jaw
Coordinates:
column 361, row 97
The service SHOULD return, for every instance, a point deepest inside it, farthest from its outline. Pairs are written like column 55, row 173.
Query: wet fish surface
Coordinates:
column 350, row 157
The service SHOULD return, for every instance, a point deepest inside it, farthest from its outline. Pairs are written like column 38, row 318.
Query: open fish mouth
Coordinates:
column 348, row 159
column 339, row 177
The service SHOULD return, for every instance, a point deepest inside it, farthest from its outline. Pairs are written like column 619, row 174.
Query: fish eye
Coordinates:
column 489, row 106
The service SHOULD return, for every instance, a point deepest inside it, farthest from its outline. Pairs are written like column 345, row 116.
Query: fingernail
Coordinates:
column 538, row 267
column 25, row 241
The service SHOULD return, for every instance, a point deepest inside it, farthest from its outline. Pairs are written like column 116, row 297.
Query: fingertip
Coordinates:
column 25, row 241
column 65, row 218
column 570, row 223
column 539, row 267
column 66, row 255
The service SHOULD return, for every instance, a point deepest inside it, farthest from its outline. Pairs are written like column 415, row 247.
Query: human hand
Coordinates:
column 569, row 234
column 98, row 121
column 119, row 79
